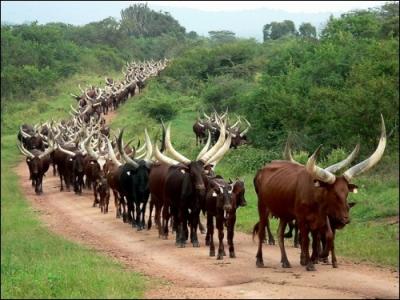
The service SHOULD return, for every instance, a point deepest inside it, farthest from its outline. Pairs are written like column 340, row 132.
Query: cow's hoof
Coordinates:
column 334, row 265
column 232, row 255
column 212, row 252
column 220, row 257
column 180, row 245
column 310, row 267
column 286, row 264
column 196, row 244
column 271, row 242
column 259, row 264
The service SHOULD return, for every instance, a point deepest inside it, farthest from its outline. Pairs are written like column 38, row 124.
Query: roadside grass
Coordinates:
column 367, row 238
column 34, row 262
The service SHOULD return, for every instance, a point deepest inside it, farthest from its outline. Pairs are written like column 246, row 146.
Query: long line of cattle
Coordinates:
column 180, row 188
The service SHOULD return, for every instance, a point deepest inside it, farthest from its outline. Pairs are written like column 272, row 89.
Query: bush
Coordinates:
column 159, row 109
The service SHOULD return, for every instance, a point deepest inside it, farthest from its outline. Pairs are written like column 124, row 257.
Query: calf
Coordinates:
column 103, row 190
column 218, row 205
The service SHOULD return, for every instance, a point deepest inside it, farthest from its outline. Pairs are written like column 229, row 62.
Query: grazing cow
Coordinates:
column 38, row 163
column 310, row 195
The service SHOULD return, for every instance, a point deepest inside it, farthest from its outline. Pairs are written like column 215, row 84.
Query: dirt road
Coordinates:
column 190, row 272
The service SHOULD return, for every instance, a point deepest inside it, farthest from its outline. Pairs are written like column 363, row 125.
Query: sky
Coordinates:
column 245, row 18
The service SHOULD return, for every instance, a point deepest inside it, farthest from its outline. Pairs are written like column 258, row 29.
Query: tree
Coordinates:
column 307, row 30
column 222, row 36
column 140, row 21
column 276, row 30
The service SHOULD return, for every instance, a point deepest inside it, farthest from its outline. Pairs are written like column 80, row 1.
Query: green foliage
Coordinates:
column 307, row 30
column 160, row 109
column 222, row 36
column 276, row 30
column 139, row 20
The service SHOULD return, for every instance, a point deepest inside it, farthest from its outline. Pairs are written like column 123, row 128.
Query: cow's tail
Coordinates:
column 255, row 229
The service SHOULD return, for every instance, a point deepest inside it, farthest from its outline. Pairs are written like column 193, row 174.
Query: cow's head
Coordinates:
column 333, row 190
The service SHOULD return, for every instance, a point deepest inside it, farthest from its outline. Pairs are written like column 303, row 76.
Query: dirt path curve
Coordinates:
column 191, row 272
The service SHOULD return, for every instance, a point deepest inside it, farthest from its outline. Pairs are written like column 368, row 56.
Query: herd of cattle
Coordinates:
column 85, row 154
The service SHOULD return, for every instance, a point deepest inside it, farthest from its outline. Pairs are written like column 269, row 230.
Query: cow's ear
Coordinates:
column 353, row 188
column 351, row 204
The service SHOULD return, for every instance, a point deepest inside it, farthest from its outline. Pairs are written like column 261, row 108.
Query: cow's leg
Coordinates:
column 271, row 240
column 61, row 180
column 194, row 221
column 220, row 227
column 281, row 232
column 116, row 203
column 210, row 232
column 122, row 203
column 107, row 201
column 334, row 261
column 138, row 213
column 262, row 211
column 143, row 211
column 166, row 215
column 316, row 242
column 149, row 223
column 305, row 254
column 230, row 233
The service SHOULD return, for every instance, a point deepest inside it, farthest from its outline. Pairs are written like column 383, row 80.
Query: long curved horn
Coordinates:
column 24, row 151
column 79, row 85
column 316, row 172
column 163, row 158
column 141, row 148
column 122, row 151
column 111, row 153
column 24, row 134
column 221, row 152
column 287, row 155
column 149, row 147
column 175, row 154
column 247, row 129
column 47, row 152
column 372, row 160
column 205, row 148
column 210, row 153
column 74, row 110
column 66, row 151
column 88, row 148
column 347, row 161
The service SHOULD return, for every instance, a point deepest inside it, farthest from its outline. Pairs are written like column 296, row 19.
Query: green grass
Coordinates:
column 34, row 262
column 367, row 238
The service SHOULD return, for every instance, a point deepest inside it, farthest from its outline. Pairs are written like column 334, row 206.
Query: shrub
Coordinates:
column 159, row 109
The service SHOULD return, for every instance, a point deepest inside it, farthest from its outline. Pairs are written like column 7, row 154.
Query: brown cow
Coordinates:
column 310, row 195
